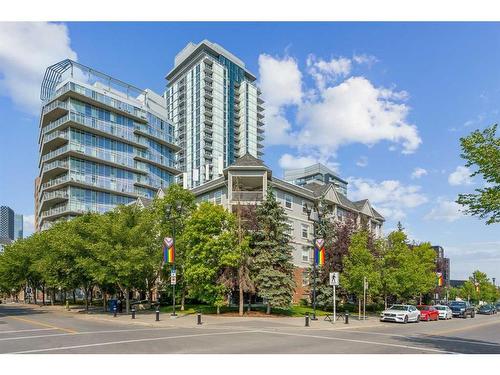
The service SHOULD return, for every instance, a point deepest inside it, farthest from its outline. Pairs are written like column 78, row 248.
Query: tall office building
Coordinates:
column 18, row 226
column 103, row 142
column 217, row 111
column 6, row 223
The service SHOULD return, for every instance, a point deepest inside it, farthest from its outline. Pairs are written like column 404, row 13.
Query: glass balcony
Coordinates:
column 247, row 196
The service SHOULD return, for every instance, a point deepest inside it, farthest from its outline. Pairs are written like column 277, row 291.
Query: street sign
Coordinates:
column 334, row 278
column 173, row 277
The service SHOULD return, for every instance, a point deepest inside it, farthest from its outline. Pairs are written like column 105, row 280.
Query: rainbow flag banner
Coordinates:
column 319, row 252
column 439, row 277
column 168, row 250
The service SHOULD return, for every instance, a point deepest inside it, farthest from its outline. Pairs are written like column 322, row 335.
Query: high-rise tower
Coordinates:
column 216, row 109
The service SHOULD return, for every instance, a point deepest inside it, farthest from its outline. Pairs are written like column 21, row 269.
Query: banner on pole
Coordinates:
column 439, row 278
column 319, row 252
column 168, row 250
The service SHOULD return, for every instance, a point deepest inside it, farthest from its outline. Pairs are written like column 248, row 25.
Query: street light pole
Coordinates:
column 172, row 211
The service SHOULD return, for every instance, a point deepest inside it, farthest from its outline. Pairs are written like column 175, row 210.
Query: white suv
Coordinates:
column 401, row 314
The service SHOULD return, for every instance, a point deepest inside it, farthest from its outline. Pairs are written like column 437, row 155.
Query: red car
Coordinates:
column 428, row 312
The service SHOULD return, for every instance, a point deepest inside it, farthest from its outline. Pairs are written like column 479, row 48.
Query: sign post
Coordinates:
column 334, row 281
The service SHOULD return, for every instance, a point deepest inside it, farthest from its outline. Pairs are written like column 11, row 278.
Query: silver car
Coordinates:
column 401, row 314
column 444, row 312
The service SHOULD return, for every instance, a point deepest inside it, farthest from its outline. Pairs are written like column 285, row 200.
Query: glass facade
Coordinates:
column 100, row 148
column 216, row 110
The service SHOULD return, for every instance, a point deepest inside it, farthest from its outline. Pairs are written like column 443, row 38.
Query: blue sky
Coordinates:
column 383, row 103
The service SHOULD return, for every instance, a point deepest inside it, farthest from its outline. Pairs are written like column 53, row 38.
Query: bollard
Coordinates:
column 67, row 305
column 198, row 318
column 114, row 312
column 158, row 314
column 313, row 317
column 347, row 317
column 133, row 312
column 307, row 319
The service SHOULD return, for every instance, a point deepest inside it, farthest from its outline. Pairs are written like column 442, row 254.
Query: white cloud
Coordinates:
column 325, row 72
column 461, row 176
column 26, row 49
column 281, row 84
column 28, row 225
column 362, row 162
column 390, row 197
column 319, row 121
column 365, row 59
column 445, row 210
column 355, row 111
column 418, row 172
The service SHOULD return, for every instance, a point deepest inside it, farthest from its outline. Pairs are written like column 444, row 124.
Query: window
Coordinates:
column 305, row 254
column 305, row 231
column 304, row 207
column 290, row 228
column 288, row 201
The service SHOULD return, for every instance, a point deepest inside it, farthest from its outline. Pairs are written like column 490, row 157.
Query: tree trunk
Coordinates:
column 91, row 294
column 385, row 301
column 34, row 295
column 53, row 296
column 43, row 294
column 104, row 301
column 268, row 309
column 127, row 300
column 183, row 299
column 359, row 308
column 74, row 297
column 86, row 299
column 241, row 302
column 218, row 310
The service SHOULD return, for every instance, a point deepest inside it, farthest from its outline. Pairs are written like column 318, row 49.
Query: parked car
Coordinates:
column 428, row 313
column 498, row 306
column 401, row 314
column 444, row 312
column 487, row 309
column 462, row 309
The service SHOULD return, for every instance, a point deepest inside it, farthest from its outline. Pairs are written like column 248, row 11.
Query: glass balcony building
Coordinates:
column 102, row 143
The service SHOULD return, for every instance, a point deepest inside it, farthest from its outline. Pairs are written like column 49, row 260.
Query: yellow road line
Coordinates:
column 42, row 324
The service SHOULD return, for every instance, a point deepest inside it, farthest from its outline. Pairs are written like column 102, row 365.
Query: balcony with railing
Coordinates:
column 54, row 110
column 101, row 99
column 247, row 196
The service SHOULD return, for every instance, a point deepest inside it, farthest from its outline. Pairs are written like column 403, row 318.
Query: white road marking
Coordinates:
column 30, row 330
column 129, row 341
column 83, row 333
column 362, row 342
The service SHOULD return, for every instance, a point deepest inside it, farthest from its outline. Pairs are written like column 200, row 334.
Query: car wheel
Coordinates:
column 406, row 319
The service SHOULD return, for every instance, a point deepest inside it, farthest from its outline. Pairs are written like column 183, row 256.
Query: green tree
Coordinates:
column 272, row 266
column 211, row 253
column 422, row 270
column 122, row 249
column 358, row 265
column 482, row 150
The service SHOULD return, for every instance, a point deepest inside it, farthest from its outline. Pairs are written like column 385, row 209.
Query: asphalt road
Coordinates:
column 27, row 329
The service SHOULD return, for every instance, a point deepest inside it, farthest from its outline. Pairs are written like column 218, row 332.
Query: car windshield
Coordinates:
column 441, row 307
column 459, row 304
column 398, row 307
column 424, row 308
